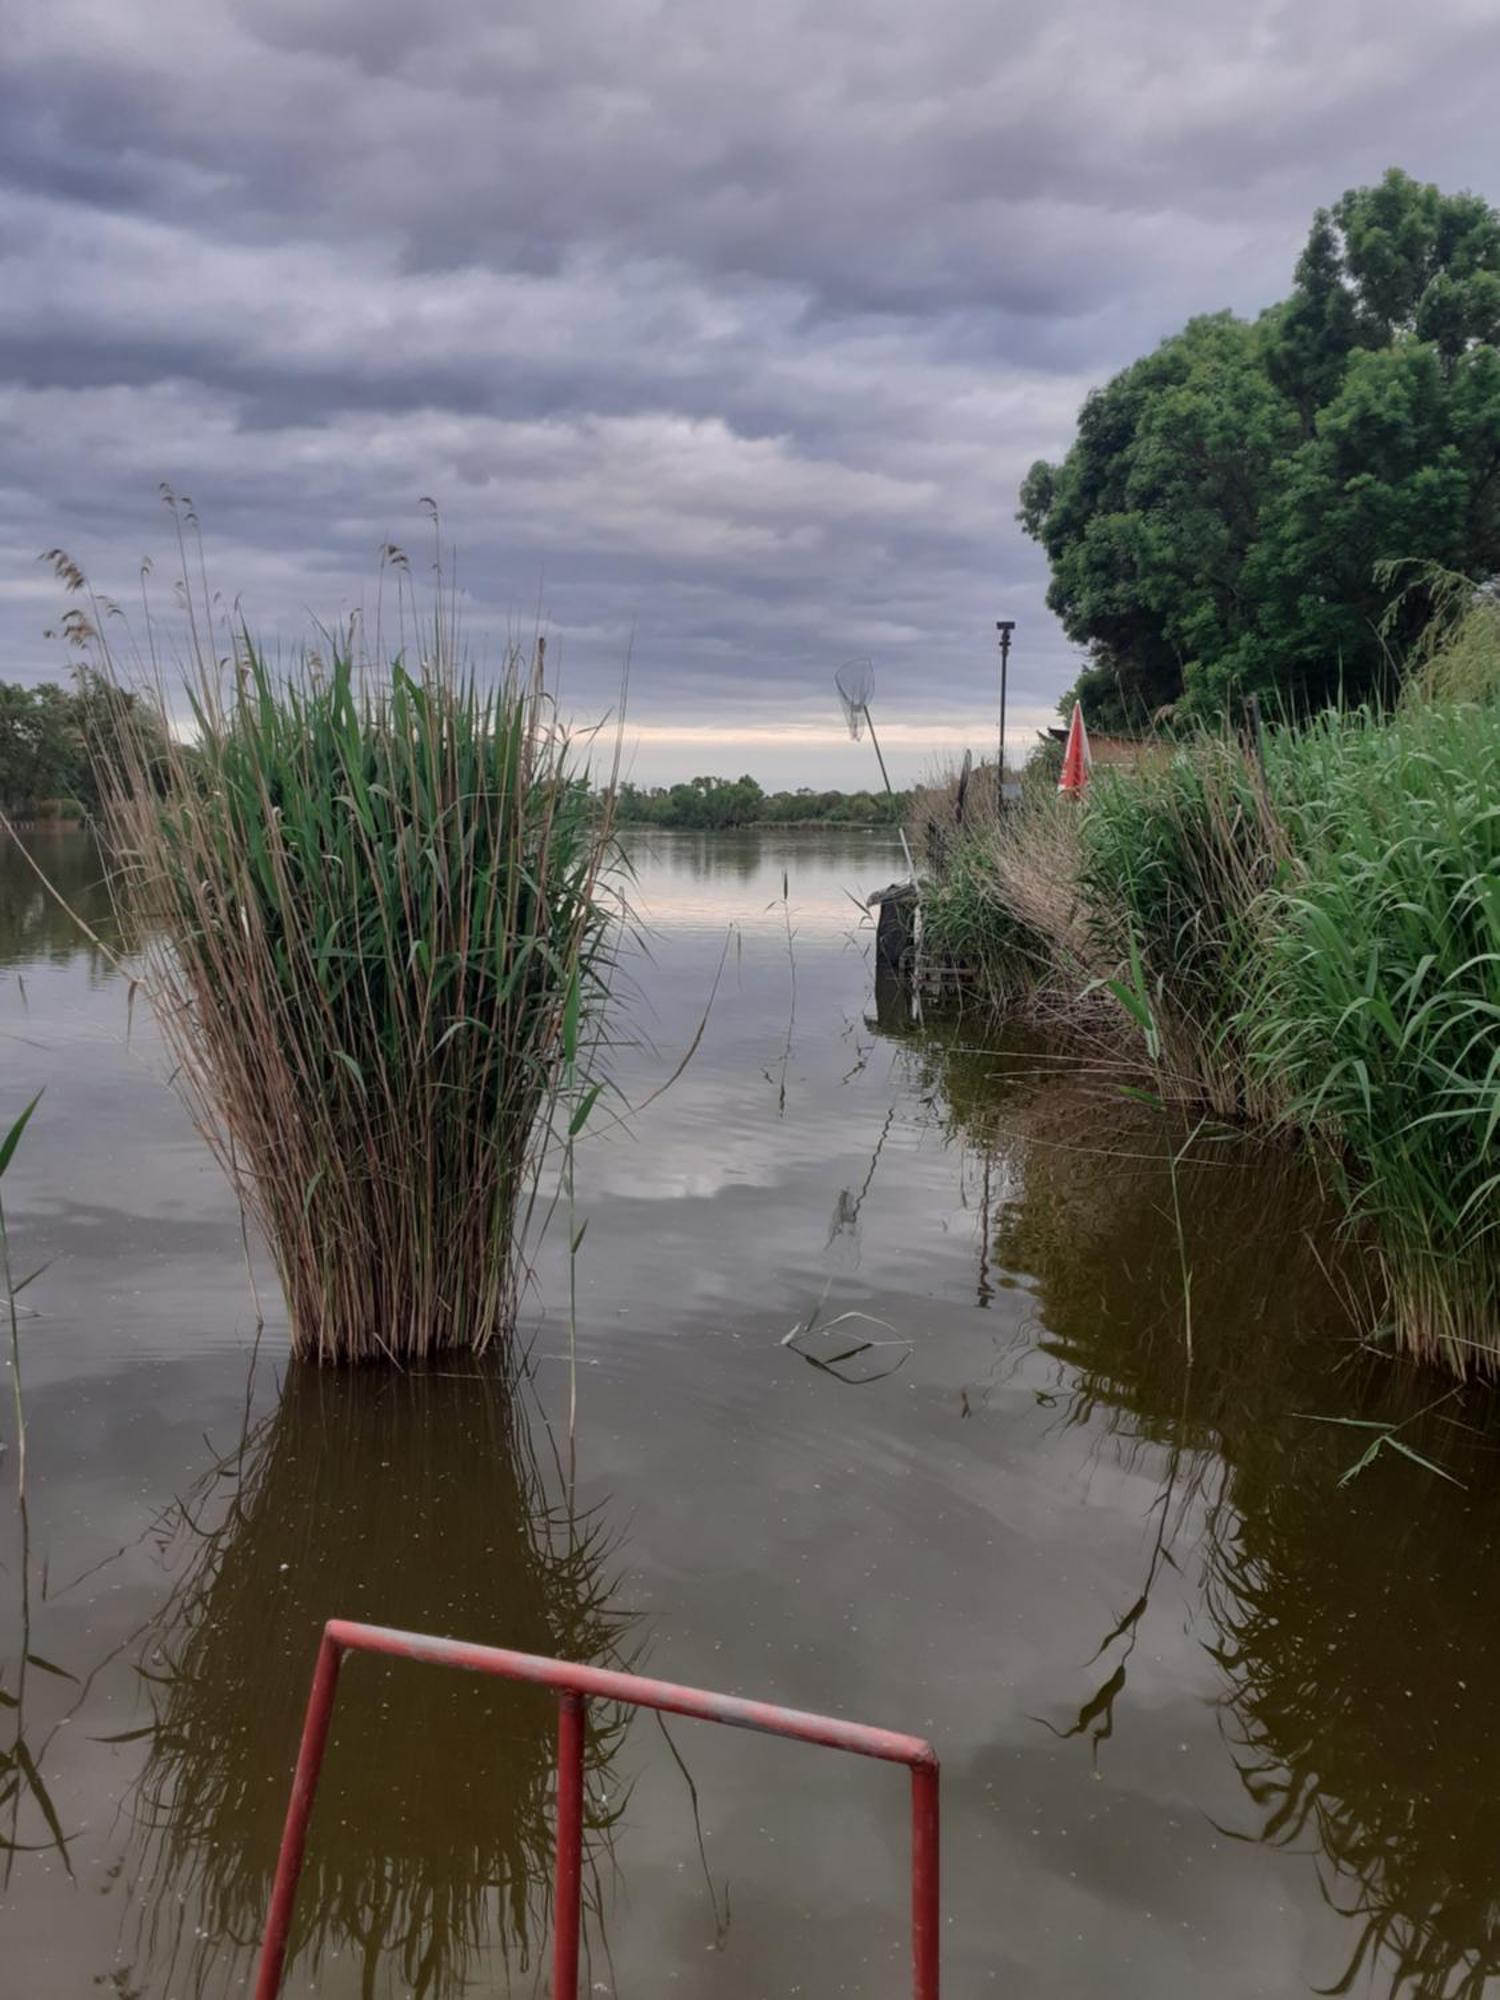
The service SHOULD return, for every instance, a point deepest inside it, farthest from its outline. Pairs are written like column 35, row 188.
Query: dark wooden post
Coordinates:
column 895, row 929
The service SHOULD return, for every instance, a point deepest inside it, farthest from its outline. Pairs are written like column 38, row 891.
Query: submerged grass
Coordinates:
column 381, row 945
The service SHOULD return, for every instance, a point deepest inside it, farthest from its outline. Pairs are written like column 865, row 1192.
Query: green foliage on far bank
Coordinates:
column 51, row 740
column 1217, row 527
column 715, row 804
column 1317, row 934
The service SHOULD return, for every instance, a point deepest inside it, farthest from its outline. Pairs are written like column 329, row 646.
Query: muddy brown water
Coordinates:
column 1214, row 1719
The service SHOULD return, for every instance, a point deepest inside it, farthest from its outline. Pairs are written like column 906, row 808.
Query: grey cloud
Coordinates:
column 732, row 330
column 874, row 156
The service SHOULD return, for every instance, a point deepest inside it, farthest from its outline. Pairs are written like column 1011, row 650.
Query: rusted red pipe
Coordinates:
column 926, row 1942
column 298, row 1812
column 575, row 1685
column 567, row 1909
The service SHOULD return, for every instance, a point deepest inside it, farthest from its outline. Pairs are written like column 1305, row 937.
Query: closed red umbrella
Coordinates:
column 1077, row 763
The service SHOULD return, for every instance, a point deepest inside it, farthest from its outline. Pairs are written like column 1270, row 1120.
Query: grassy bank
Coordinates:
column 1314, row 934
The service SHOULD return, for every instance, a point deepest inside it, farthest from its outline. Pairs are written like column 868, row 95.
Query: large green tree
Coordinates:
column 1220, row 524
column 51, row 739
column 41, row 749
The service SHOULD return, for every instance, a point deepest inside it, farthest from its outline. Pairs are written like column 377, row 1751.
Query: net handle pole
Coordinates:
column 911, row 867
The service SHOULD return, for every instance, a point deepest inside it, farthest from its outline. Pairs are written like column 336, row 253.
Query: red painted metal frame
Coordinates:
column 575, row 1686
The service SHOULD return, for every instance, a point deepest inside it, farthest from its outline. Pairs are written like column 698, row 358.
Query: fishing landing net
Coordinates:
column 855, row 681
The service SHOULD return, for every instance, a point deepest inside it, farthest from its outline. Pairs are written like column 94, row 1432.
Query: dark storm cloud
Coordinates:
column 731, row 329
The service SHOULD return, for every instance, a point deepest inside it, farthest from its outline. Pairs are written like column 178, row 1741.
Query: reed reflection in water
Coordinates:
column 1358, row 1636
column 414, row 1500
column 1354, row 1620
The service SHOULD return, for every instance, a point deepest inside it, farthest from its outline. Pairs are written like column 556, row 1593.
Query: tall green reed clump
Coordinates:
column 1174, row 863
column 1377, row 1005
column 385, row 945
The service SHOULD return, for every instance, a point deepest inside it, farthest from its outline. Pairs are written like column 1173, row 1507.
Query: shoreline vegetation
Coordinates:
column 1303, row 926
column 763, row 826
column 49, row 737
column 717, row 805
column 1290, row 924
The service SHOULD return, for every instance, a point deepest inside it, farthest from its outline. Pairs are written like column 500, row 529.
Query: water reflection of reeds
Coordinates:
column 1357, row 1638
column 1351, row 1618
column 408, row 1500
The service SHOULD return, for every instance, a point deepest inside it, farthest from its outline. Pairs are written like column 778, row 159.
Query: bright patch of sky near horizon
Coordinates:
column 723, row 336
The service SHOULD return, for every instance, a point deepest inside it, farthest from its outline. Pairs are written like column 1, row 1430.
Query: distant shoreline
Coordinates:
column 767, row 826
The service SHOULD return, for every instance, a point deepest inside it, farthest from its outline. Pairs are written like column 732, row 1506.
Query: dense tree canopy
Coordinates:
column 1217, row 527
column 41, row 747
column 51, row 738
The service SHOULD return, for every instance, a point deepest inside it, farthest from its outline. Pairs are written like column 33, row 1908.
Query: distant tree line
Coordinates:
column 1226, row 519
column 50, row 740
column 711, row 804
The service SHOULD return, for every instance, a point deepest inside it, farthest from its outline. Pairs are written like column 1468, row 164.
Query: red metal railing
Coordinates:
column 574, row 1687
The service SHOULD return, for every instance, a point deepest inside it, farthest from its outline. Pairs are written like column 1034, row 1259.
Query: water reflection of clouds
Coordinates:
column 717, row 1141
column 704, row 882
column 685, row 914
column 961, row 1547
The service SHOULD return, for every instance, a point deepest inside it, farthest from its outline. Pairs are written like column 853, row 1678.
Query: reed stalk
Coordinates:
column 11, row 1288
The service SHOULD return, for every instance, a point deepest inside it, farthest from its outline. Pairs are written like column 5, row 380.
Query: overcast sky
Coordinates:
column 722, row 333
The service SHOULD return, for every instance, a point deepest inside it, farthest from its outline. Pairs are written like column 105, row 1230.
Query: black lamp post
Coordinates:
column 1004, row 626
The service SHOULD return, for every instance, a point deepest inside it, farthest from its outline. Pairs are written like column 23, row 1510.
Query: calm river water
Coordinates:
column 1215, row 1720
